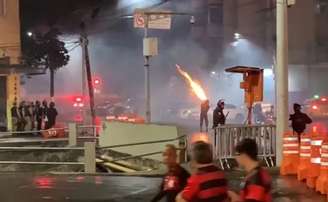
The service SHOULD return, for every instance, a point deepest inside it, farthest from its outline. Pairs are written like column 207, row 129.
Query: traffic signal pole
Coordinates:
column 281, row 77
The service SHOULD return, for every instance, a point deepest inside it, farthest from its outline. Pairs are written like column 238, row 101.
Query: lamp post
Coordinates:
column 281, row 76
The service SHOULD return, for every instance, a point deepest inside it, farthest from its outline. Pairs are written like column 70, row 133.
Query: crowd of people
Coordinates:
column 33, row 116
column 207, row 183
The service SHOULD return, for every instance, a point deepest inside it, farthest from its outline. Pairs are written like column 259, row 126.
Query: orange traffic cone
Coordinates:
column 305, row 156
column 314, row 168
column 290, row 154
column 322, row 181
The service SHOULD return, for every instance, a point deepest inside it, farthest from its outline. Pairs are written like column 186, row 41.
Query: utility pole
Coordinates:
column 147, row 76
column 84, row 44
column 281, row 76
column 83, row 82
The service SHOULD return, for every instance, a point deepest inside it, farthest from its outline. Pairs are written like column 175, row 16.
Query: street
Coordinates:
column 77, row 188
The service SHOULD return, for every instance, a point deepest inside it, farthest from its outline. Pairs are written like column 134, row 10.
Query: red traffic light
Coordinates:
column 96, row 81
column 78, row 99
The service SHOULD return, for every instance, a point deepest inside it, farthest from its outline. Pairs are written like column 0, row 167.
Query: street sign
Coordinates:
column 155, row 20
column 139, row 20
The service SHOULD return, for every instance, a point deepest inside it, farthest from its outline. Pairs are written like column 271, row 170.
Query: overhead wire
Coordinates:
column 73, row 48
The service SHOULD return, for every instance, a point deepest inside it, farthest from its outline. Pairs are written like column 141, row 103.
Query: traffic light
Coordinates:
column 78, row 102
column 78, row 99
column 96, row 82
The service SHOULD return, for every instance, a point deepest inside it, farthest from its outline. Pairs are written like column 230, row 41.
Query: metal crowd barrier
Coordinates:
column 182, row 148
column 226, row 138
column 89, row 162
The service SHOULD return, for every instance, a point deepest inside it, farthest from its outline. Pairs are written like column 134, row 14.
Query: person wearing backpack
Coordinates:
column 299, row 120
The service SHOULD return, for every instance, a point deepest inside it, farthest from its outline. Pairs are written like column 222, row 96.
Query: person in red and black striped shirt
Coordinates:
column 208, row 183
column 256, row 186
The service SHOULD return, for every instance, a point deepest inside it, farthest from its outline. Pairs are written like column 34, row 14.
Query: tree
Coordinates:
column 46, row 51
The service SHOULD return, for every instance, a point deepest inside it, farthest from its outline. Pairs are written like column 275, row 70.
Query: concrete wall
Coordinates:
column 10, row 30
column 301, row 22
column 116, row 133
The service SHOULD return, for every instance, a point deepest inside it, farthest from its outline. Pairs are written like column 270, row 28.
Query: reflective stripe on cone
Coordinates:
column 290, row 152
column 316, row 160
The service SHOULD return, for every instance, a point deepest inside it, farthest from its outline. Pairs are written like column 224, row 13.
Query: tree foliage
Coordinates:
column 45, row 51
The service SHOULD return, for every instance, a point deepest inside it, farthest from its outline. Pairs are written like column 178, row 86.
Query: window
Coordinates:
column 2, row 7
column 216, row 14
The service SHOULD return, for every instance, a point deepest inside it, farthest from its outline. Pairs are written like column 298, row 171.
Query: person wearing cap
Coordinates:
column 175, row 179
column 204, row 107
column 256, row 186
column 208, row 182
column 299, row 120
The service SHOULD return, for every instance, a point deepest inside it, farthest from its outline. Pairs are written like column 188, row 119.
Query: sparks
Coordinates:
column 196, row 87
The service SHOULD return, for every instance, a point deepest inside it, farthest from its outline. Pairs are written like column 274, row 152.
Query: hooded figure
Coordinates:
column 299, row 120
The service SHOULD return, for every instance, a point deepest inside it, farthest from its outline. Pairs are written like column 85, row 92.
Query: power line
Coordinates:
column 70, row 50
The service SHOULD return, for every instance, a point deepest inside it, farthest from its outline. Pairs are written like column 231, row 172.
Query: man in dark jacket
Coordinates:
column 38, row 115
column 21, row 114
column 204, row 107
column 175, row 179
column 218, row 115
column 14, row 116
column 44, row 110
column 51, row 115
column 299, row 120
column 218, row 118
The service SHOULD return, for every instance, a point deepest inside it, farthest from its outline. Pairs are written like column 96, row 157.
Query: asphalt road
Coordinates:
column 30, row 188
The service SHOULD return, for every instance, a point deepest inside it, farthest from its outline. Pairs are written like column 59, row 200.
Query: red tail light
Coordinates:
column 315, row 107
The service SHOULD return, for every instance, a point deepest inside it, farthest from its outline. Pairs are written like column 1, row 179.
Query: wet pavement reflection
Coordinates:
column 28, row 188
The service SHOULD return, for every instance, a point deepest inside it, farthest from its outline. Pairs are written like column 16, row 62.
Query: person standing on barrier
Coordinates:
column 175, row 179
column 299, row 120
column 256, row 186
column 208, row 183
column 204, row 107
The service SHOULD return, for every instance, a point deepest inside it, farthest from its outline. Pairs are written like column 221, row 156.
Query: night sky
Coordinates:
column 53, row 12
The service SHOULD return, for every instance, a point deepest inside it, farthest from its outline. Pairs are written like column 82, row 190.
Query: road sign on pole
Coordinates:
column 139, row 20
column 156, row 19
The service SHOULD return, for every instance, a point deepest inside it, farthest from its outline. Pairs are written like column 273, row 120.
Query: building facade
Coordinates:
column 255, row 21
column 10, row 53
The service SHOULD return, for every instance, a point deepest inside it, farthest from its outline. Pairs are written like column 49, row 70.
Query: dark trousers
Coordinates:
column 203, row 118
column 39, row 124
